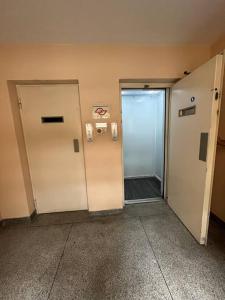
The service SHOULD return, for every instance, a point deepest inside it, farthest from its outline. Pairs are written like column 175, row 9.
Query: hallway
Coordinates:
column 142, row 253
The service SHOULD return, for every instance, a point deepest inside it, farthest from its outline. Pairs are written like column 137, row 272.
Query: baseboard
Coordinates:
column 217, row 219
column 33, row 215
column 109, row 212
column 13, row 221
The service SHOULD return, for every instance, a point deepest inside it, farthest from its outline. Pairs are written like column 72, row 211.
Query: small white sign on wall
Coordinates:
column 100, row 112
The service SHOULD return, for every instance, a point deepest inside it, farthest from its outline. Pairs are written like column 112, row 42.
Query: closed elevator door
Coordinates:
column 52, row 129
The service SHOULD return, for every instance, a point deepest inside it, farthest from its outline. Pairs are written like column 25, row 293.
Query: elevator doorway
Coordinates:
column 143, row 125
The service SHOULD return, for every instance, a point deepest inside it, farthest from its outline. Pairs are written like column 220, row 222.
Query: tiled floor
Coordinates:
column 142, row 253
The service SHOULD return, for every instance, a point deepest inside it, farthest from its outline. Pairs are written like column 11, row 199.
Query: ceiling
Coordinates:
column 112, row 21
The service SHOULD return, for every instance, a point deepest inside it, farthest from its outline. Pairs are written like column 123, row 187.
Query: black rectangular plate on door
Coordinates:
column 52, row 119
column 203, row 146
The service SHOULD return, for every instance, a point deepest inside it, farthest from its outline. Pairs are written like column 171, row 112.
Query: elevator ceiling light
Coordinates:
column 139, row 92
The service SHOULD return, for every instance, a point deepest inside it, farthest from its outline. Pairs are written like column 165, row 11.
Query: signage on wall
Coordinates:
column 100, row 112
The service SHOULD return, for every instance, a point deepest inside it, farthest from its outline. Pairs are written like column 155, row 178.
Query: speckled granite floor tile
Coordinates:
column 143, row 253
column 147, row 209
column 29, row 258
column 191, row 271
column 109, row 259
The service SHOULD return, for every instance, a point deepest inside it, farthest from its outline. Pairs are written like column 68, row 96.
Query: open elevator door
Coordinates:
column 193, row 127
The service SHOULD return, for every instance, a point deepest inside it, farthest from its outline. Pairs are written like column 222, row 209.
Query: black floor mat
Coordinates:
column 142, row 188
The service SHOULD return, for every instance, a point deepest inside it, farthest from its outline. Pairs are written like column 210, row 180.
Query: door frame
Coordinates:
column 149, row 84
column 15, row 102
column 212, row 145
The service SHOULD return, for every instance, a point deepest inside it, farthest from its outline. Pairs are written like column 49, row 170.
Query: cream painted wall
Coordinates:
column 98, row 69
column 218, row 46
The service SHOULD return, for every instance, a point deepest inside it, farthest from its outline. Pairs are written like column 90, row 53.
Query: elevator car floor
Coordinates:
column 142, row 253
column 142, row 188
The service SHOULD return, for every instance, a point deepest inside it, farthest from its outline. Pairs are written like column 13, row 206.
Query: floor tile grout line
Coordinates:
column 150, row 244
column 61, row 256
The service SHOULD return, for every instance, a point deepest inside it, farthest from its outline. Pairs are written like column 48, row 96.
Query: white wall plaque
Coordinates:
column 100, row 112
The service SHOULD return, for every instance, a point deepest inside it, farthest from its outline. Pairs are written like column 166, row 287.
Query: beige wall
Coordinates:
column 98, row 69
column 218, row 46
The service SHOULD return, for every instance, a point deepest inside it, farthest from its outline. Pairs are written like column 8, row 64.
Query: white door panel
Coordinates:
column 189, row 178
column 57, row 171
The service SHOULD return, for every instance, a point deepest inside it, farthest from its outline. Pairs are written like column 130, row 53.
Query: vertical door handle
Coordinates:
column 76, row 145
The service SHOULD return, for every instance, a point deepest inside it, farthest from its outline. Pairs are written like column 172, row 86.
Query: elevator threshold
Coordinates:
column 147, row 200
